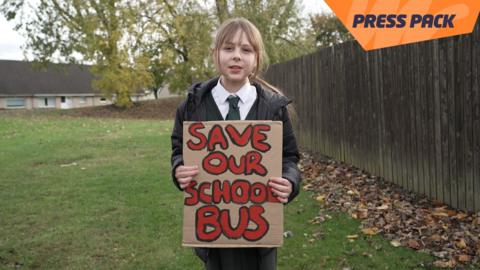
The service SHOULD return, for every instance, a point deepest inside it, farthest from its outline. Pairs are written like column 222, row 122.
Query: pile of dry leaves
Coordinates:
column 403, row 217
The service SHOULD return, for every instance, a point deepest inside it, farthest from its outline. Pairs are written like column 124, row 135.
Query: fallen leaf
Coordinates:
column 360, row 214
column 440, row 254
column 370, row 231
column 464, row 258
column 395, row 243
column 440, row 214
column 69, row 164
column 436, row 238
column 329, row 168
column 314, row 221
column 320, row 198
column 352, row 236
column 461, row 243
column 445, row 264
column 307, row 187
column 383, row 207
column 300, row 167
column 461, row 215
column 413, row 244
column 451, row 213
column 366, row 254
column 318, row 235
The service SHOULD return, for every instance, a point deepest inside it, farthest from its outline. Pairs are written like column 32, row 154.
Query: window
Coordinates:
column 15, row 102
column 46, row 102
column 63, row 99
column 102, row 99
column 82, row 100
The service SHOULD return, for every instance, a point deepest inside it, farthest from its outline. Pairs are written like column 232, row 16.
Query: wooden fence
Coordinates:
column 410, row 114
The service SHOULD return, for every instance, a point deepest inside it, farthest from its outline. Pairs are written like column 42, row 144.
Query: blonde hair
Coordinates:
column 227, row 31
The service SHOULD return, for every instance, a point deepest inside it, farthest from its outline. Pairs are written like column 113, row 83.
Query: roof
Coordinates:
column 21, row 78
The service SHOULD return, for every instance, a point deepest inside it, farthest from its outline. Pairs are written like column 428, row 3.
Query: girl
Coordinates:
column 238, row 94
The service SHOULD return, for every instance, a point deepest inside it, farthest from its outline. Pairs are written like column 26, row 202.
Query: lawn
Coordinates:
column 83, row 193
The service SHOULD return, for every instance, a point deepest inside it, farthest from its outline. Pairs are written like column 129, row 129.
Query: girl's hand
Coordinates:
column 280, row 187
column 185, row 174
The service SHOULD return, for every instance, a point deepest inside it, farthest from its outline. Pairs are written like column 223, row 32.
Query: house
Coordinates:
column 58, row 86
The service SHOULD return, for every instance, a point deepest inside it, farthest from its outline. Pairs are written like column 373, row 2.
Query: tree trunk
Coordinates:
column 222, row 10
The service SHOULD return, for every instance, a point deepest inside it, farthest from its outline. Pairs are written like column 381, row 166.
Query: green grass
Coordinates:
column 114, row 206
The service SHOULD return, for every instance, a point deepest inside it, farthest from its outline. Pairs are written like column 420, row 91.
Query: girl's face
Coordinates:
column 236, row 61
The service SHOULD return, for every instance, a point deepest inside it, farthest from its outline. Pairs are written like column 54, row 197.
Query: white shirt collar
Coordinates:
column 220, row 94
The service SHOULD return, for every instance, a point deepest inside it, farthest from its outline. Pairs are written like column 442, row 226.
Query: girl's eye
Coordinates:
column 227, row 48
column 247, row 50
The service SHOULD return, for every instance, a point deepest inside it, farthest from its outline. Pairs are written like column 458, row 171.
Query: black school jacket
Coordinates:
column 271, row 106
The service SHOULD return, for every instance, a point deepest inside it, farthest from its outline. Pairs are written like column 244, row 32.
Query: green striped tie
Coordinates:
column 233, row 111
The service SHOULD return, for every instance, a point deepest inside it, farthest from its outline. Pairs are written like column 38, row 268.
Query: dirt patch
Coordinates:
column 38, row 163
column 150, row 109
column 72, row 160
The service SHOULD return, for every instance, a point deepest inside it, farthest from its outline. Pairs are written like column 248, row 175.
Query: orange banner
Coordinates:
column 384, row 23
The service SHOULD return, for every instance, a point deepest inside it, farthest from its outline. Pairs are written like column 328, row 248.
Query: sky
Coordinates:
column 11, row 41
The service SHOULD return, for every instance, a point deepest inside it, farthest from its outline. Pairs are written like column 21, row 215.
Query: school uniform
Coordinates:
column 207, row 102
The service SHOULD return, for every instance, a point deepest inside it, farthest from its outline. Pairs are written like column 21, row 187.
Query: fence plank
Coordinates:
column 378, row 108
column 400, row 113
column 468, row 132
column 428, row 121
column 421, row 71
column 388, row 86
column 420, row 111
column 411, row 79
column 438, row 120
column 443, row 53
column 459, row 81
column 452, row 141
column 476, row 114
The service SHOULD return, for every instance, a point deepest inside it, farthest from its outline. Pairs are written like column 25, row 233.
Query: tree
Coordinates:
column 328, row 30
column 103, row 32
column 179, row 36
column 283, row 29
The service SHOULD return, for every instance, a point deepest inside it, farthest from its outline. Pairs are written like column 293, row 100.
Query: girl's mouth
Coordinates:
column 235, row 68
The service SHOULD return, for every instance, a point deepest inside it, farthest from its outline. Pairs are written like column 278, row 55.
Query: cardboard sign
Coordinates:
column 229, row 203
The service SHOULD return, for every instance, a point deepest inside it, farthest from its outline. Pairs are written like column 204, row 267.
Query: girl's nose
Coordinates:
column 236, row 54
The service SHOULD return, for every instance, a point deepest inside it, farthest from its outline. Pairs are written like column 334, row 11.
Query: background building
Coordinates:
column 59, row 86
